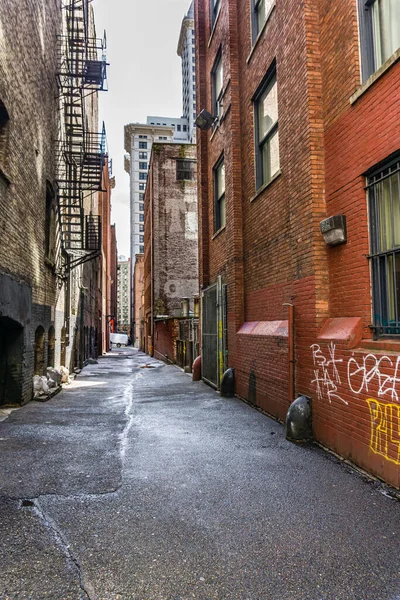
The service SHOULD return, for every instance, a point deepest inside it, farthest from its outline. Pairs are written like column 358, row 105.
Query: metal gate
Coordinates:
column 209, row 354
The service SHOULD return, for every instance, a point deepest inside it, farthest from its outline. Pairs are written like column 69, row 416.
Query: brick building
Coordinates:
column 307, row 127
column 171, row 257
column 51, row 165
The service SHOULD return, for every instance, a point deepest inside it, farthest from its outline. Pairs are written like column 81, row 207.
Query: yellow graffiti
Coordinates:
column 385, row 429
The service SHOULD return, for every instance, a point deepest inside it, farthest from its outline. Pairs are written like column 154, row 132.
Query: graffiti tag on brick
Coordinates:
column 362, row 374
column 385, row 429
column 326, row 374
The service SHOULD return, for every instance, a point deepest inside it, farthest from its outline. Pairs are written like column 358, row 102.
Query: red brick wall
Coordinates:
column 271, row 251
column 165, row 335
column 356, row 137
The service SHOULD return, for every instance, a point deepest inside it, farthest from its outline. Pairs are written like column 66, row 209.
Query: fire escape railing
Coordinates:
column 81, row 153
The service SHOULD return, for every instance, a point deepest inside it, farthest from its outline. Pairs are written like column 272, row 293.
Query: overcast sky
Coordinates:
column 144, row 78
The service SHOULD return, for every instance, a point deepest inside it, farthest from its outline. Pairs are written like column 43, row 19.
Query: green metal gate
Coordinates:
column 214, row 356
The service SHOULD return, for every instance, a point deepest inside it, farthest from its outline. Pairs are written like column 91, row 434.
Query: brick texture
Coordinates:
column 271, row 251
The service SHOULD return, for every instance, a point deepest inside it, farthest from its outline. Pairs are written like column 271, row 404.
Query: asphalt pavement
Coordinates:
column 135, row 483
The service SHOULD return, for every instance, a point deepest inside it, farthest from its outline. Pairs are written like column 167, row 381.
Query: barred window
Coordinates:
column 383, row 187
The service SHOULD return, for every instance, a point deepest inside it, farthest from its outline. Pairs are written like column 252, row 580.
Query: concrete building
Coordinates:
column 51, row 166
column 186, row 50
column 138, row 286
column 124, row 295
column 307, row 139
column 171, row 259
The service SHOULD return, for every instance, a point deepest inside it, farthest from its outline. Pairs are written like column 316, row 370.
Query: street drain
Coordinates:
column 27, row 503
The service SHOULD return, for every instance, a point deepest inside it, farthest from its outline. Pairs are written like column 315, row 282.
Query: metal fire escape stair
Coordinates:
column 81, row 153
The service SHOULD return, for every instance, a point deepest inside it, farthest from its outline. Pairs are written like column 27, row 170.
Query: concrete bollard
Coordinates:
column 298, row 426
column 196, row 369
column 228, row 383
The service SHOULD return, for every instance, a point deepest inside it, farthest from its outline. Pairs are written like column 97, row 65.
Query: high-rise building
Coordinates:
column 186, row 50
column 140, row 137
column 124, row 295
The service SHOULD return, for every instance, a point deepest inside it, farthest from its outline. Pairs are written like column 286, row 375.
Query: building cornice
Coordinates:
column 187, row 23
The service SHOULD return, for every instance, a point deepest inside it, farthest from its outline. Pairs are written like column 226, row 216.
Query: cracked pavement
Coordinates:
column 137, row 483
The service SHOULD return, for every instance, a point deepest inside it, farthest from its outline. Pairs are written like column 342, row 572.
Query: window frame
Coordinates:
column 185, row 166
column 215, row 7
column 379, row 257
column 217, row 104
column 255, row 29
column 219, row 197
column 368, row 59
column 268, row 81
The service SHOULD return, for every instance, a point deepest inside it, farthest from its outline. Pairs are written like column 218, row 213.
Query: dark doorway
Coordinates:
column 11, row 361
column 51, row 347
column 39, row 351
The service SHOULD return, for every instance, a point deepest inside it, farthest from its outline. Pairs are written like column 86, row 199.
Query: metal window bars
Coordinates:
column 384, row 209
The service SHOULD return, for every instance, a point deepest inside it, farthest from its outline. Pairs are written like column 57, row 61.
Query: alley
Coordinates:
column 137, row 483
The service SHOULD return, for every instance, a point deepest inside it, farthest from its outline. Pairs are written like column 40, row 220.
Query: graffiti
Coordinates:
column 364, row 374
column 369, row 370
column 326, row 375
column 385, row 429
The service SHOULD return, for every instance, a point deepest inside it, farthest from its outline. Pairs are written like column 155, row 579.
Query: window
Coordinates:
column 383, row 187
column 4, row 131
column 143, row 145
column 141, row 217
column 143, row 155
column 143, row 165
column 141, row 249
column 143, row 176
column 50, row 227
column 214, row 6
column 266, row 134
column 260, row 13
column 142, row 186
column 141, row 206
column 141, row 197
column 141, row 239
column 141, row 227
column 217, row 77
column 178, row 127
column 185, row 169
column 184, row 127
column 219, row 194
column 379, row 33
column 143, row 136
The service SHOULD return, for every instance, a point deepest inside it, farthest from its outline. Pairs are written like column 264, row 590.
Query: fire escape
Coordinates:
column 81, row 153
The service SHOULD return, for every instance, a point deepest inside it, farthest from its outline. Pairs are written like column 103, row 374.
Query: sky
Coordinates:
column 144, row 78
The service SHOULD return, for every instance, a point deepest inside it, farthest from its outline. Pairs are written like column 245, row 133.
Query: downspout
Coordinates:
column 291, row 354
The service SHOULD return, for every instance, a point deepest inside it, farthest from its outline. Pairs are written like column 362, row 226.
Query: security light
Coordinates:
column 333, row 230
column 205, row 120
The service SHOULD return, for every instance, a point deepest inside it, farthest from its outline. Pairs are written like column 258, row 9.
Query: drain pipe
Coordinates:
column 291, row 351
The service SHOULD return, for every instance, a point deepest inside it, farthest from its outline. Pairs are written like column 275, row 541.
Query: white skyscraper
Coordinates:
column 186, row 50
